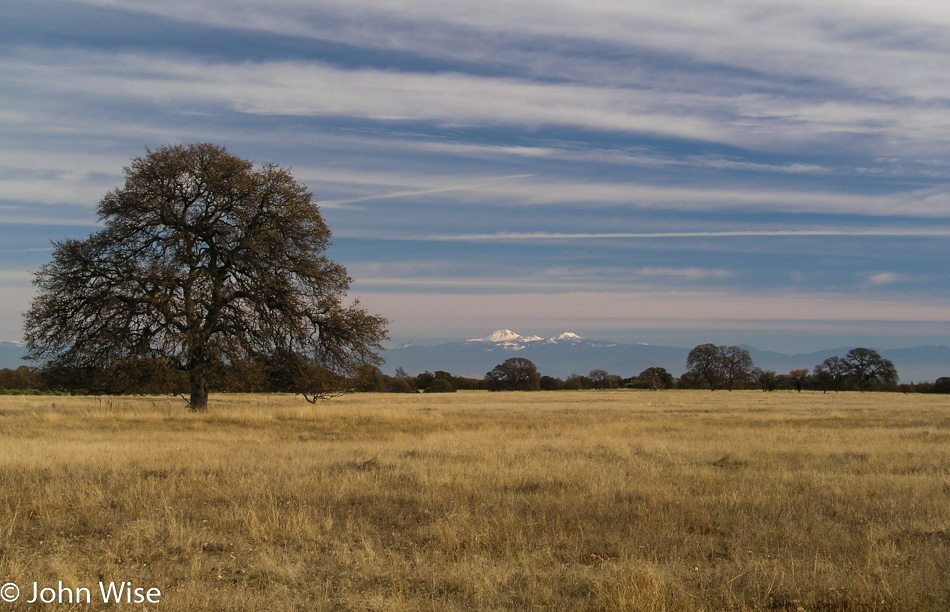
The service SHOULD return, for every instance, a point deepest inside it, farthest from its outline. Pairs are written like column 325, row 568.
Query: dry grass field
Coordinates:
column 481, row 501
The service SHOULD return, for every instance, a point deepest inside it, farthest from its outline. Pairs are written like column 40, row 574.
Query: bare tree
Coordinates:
column 204, row 259
column 831, row 373
column 737, row 366
column 719, row 365
column 599, row 379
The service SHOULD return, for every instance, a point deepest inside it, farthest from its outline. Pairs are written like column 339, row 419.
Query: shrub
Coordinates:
column 441, row 385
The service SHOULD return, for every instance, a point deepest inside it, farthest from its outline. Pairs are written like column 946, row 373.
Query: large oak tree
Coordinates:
column 868, row 369
column 204, row 260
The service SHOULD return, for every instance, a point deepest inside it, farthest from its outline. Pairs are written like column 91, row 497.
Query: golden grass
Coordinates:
column 484, row 501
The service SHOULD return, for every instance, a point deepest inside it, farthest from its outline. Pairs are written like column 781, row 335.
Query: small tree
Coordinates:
column 204, row 260
column 705, row 362
column 768, row 381
column 515, row 374
column 737, row 366
column 689, row 380
column 576, row 382
column 443, row 382
column 441, row 385
column 599, row 379
column 831, row 373
column 423, row 380
column 718, row 365
column 655, row 378
column 798, row 378
column 21, row 378
column 401, row 385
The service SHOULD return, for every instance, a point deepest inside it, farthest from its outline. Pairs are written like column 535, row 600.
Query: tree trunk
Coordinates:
column 199, row 391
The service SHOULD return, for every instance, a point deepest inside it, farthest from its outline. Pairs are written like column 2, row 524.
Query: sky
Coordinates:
column 672, row 172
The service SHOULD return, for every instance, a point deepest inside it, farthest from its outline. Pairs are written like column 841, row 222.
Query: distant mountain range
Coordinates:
column 569, row 353
column 11, row 355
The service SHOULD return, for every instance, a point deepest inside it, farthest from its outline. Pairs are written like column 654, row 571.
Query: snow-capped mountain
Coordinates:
column 516, row 342
column 569, row 353
column 561, row 355
column 565, row 337
column 507, row 338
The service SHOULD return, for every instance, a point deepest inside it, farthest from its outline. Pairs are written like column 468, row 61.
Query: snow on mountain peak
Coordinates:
column 508, row 337
column 499, row 335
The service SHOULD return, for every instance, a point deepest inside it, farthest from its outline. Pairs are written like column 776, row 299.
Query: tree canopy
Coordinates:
column 863, row 368
column 204, row 260
column 515, row 374
column 720, row 365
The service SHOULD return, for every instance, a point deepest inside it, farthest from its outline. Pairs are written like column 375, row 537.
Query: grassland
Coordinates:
column 478, row 501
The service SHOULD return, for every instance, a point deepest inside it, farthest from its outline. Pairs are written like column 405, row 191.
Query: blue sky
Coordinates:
column 669, row 172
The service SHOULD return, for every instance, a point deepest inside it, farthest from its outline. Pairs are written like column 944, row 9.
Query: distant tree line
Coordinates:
column 707, row 367
column 731, row 367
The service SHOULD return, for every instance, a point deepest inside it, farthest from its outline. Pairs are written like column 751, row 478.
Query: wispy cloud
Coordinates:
column 885, row 278
column 616, row 275
column 457, row 184
column 318, row 89
column 642, row 156
column 551, row 236
column 56, row 177
column 786, row 36
column 684, row 273
column 448, row 277
column 876, row 50
column 313, row 88
column 547, row 190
